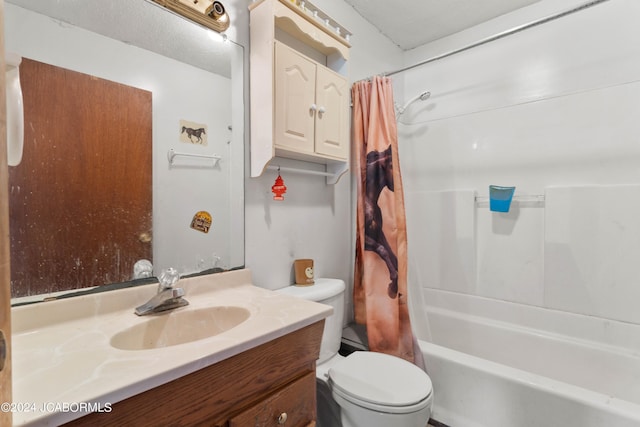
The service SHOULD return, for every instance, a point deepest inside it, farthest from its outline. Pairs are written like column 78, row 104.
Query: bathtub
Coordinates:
column 500, row 364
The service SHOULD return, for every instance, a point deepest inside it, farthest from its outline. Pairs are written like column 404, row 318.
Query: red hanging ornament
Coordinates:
column 278, row 188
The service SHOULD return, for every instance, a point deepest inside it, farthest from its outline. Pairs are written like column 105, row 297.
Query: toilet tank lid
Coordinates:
column 381, row 379
column 321, row 290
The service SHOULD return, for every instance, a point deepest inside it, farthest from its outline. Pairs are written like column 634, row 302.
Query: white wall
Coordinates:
column 552, row 110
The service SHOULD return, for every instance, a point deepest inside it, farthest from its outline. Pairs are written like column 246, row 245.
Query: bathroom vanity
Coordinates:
column 272, row 384
column 255, row 369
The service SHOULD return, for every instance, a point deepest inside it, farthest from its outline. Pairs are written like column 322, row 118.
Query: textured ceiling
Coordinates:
column 411, row 23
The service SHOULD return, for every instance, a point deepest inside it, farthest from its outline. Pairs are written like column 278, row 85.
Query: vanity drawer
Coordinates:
column 294, row 405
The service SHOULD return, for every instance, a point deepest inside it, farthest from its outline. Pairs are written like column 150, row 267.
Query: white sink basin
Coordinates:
column 179, row 327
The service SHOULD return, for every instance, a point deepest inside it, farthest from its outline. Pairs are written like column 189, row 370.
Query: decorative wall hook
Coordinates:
column 278, row 188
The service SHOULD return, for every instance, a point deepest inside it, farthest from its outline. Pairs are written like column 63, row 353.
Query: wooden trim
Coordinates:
column 296, row 10
column 5, row 266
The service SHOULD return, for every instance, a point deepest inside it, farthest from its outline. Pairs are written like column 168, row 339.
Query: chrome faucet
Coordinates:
column 168, row 296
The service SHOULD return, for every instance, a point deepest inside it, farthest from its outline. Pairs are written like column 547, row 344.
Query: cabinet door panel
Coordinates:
column 295, row 78
column 293, row 405
column 332, row 126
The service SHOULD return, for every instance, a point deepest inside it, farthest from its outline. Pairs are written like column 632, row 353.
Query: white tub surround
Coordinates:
column 62, row 351
column 540, row 366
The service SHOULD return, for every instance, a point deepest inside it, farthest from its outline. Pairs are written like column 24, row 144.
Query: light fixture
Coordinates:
column 209, row 13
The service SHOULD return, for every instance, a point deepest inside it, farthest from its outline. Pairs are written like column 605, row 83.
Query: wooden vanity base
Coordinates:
column 263, row 386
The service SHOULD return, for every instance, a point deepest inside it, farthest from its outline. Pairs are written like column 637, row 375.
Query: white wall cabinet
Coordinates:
column 299, row 105
column 311, row 107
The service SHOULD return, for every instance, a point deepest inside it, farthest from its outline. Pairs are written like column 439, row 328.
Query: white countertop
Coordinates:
column 62, row 357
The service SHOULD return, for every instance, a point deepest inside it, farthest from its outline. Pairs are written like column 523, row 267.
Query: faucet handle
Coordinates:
column 177, row 292
column 168, row 278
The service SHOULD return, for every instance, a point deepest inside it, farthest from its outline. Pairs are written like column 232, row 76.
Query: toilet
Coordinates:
column 363, row 389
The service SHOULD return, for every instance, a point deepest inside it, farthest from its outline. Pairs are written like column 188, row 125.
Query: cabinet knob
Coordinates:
column 313, row 107
column 282, row 418
column 144, row 237
column 322, row 110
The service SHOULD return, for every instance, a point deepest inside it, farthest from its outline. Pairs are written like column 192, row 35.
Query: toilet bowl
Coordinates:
column 363, row 389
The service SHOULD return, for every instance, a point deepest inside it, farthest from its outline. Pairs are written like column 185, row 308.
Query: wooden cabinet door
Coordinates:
column 332, row 120
column 295, row 78
column 85, row 217
column 294, row 405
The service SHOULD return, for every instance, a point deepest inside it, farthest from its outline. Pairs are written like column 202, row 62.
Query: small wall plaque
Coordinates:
column 202, row 221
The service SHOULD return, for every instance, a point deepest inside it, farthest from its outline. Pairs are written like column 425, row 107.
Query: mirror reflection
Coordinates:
column 133, row 148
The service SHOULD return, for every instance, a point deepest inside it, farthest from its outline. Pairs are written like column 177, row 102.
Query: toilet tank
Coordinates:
column 330, row 292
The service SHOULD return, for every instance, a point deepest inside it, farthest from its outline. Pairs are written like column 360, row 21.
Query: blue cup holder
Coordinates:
column 500, row 198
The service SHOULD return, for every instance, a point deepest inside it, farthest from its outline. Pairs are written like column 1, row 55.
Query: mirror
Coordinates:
column 195, row 79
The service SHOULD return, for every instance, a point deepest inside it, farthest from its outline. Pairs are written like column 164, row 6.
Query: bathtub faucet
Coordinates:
column 168, row 296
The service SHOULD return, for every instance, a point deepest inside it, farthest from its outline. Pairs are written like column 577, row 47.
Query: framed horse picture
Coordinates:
column 193, row 133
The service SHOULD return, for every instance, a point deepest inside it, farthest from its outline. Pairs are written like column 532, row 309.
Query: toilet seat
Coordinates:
column 322, row 369
column 381, row 382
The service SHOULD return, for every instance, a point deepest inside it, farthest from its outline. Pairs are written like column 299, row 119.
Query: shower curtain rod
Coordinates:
column 498, row 36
